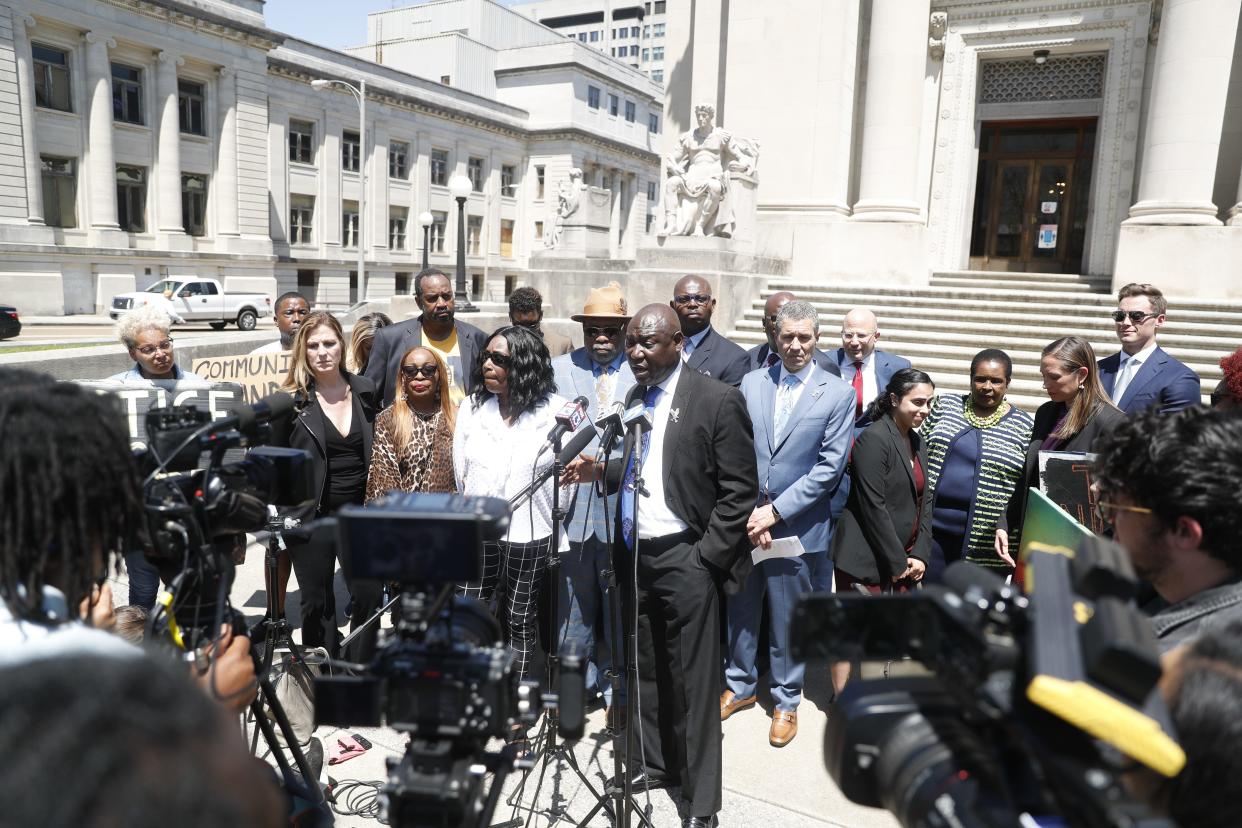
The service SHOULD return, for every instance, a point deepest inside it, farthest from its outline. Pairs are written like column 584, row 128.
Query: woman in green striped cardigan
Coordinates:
column 976, row 448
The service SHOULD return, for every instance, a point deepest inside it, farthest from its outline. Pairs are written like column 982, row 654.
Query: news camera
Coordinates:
column 442, row 674
column 1038, row 702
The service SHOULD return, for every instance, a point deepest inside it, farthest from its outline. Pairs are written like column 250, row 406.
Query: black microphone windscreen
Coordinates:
column 270, row 407
column 581, row 439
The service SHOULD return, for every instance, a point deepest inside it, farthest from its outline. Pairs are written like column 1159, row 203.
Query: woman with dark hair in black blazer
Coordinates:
column 500, row 429
column 332, row 420
column 883, row 539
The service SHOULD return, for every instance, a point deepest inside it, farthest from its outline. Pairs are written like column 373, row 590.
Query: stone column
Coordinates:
column 1187, row 110
column 225, row 186
column 614, row 213
column 168, row 218
column 25, row 91
column 99, row 130
column 893, row 109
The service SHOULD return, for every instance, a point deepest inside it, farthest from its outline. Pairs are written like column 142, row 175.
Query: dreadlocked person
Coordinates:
column 62, row 530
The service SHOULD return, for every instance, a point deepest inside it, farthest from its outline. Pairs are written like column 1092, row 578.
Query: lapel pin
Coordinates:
column 675, row 415
column 815, row 395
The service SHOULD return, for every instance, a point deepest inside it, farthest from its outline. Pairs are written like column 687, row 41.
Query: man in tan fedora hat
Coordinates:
column 599, row 372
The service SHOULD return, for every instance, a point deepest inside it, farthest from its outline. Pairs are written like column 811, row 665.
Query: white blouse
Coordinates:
column 493, row 459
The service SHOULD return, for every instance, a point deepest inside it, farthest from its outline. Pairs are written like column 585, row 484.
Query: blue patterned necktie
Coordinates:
column 784, row 404
column 630, row 479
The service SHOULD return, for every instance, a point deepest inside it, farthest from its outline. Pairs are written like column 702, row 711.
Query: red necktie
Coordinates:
column 773, row 358
column 858, row 388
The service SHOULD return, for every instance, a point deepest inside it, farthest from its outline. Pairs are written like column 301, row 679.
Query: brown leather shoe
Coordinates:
column 730, row 704
column 784, row 727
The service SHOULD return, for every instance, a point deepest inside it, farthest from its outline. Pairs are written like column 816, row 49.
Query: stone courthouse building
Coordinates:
column 905, row 138
column 149, row 138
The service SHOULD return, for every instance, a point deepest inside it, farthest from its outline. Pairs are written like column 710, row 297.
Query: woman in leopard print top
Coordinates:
column 413, row 448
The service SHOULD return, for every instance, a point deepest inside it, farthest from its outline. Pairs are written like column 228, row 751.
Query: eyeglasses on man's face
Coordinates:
column 693, row 298
column 1136, row 317
column 148, row 350
column 411, row 371
column 1107, row 511
column 611, row 332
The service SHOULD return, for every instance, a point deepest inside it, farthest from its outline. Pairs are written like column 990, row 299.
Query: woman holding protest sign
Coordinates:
column 332, row 421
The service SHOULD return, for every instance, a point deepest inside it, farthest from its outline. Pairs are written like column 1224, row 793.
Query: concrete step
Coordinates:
column 1029, row 286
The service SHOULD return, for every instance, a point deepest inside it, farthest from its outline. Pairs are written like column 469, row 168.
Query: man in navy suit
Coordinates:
column 862, row 365
column 599, row 372
column 705, row 350
column 803, row 428
column 766, row 355
column 1143, row 375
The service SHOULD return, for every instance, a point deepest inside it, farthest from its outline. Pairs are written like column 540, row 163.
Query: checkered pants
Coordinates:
column 511, row 574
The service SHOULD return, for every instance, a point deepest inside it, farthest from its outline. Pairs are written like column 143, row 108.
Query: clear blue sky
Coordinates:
column 329, row 22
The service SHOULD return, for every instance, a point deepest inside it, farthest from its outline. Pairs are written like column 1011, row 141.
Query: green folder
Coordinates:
column 1049, row 524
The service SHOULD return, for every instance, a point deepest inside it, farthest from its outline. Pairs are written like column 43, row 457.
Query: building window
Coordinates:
column 657, row 75
column 646, row 55
column 349, row 224
column 539, row 180
column 194, row 204
column 398, row 152
column 474, row 232
column 301, row 219
column 302, row 142
column 650, row 221
column 593, row 97
column 658, row 30
column 647, row 30
column 660, row 6
column 126, row 94
column 657, row 53
column 51, row 77
column 60, row 187
column 539, row 231
column 439, row 167
column 351, row 151
column 651, row 191
column 653, row 122
column 633, row 31
column 447, row 80
column 508, row 185
column 397, row 219
column 582, row 37
column 474, row 171
column 594, row 37
column 131, row 198
column 506, row 238
column 631, row 111
column 624, row 51
column 613, row 103
column 403, row 283
column 439, row 225
column 190, row 97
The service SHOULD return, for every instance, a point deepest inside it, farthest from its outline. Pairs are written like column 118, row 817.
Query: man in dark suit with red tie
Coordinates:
column 696, row 490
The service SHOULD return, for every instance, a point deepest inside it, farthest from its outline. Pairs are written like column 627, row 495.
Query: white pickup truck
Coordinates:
column 197, row 300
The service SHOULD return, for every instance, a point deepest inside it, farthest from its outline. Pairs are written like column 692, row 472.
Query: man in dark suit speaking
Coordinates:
column 696, row 491
column 457, row 343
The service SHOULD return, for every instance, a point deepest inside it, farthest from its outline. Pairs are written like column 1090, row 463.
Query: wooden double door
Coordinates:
column 1032, row 196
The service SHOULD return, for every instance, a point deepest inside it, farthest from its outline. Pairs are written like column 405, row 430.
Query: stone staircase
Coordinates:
column 941, row 326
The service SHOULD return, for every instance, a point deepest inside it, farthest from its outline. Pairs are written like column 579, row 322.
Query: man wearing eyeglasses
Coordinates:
column 866, row 368
column 705, row 350
column 1143, row 375
column 1169, row 486
column 526, row 310
column 291, row 308
column 599, row 372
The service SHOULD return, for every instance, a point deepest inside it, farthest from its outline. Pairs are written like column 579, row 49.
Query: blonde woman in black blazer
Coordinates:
column 883, row 539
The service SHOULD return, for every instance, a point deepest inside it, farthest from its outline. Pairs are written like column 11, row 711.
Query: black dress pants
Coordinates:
column 679, row 660
column 314, row 563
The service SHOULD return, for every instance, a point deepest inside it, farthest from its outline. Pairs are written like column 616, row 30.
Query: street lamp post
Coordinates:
column 359, row 92
column 460, row 187
column 426, row 219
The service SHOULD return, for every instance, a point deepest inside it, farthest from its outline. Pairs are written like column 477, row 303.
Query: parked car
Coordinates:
column 197, row 300
column 10, row 325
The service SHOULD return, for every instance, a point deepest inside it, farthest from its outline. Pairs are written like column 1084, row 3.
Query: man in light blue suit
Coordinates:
column 599, row 372
column 803, row 428
column 1143, row 375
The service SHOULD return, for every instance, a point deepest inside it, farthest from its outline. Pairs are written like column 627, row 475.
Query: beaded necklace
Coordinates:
column 984, row 422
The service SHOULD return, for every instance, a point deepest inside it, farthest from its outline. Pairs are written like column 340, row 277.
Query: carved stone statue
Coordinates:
column 568, row 197
column 696, row 195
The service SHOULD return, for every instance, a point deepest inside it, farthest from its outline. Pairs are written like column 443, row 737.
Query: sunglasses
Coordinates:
column 499, row 360
column 595, row 333
column 411, row 371
column 1107, row 512
column 1135, row 317
column 148, row 350
column 695, row 298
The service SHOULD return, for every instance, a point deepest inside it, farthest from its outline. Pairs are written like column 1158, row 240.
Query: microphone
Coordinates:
column 610, row 425
column 571, row 415
column 636, row 417
column 248, row 419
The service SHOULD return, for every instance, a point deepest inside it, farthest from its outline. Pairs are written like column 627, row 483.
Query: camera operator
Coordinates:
column 62, row 529
column 1169, row 483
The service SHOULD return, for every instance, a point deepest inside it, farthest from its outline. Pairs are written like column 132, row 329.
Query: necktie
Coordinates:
column 784, row 404
column 773, row 358
column 630, row 481
column 858, row 388
column 1124, row 376
column 604, row 385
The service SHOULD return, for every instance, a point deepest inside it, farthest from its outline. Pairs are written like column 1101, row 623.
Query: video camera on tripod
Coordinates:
column 1037, row 703
column 443, row 674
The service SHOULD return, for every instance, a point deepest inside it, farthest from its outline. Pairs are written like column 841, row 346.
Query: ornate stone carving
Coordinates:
column 697, row 198
column 937, row 24
column 568, row 199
